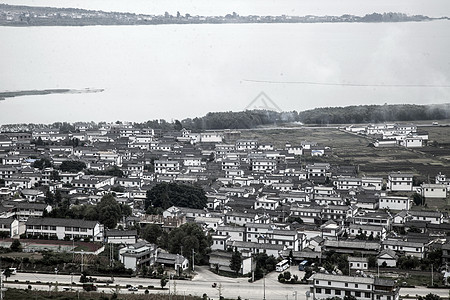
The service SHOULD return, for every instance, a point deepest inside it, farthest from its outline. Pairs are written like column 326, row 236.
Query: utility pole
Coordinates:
column 264, row 285
column 1, row 280
column 193, row 253
column 82, row 261
column 432, row 283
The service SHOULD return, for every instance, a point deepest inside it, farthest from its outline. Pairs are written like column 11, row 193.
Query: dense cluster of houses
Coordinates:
column 260, row 199
column 391, row 135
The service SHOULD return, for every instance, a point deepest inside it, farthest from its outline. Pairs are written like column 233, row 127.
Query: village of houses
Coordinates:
column 254, row 192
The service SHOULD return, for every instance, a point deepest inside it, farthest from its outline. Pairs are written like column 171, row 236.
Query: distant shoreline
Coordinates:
column 24, row 16
column 14, row 94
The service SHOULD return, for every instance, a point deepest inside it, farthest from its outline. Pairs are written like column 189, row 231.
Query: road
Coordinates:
column 202, row 283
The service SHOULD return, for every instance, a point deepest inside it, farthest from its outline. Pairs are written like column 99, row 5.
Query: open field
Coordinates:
column 351, row 149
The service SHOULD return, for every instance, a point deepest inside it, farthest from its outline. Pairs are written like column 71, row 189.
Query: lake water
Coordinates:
column 179, row 71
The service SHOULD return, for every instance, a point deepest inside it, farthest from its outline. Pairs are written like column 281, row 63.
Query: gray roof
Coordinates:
column 340, row 278
column 351, row 244
column 403, row 243
column 6, row 221
column 425, row 213
column 62, row 222
column 115, row 232
column 389, row 252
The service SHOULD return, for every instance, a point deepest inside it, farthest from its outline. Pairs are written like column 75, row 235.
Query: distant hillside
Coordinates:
column 374, row 114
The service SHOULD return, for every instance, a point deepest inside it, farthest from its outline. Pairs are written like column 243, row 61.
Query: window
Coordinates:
column 328, row 291
column 357, row 294
column 318, row 290
column 337, row 292
column 368, row 286
column 347, row 293
column 366, row 295
column 346, row 284
column 317, row 281
column 356, row 285
column 329, row 282
column 378, row 297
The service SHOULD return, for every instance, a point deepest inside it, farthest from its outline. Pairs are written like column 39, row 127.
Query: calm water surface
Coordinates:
column 173, row 71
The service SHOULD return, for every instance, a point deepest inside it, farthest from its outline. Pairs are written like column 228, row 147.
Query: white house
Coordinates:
column 167, row 166
column 394, row 202
column 220, row 260
column 398, row 181
column 126, row 237
column 434, row 217
column 372, row 183
column 139, row 254
column 408, row 248
column 388, row 258
column 358, row 263
column 9, row 227
column 429, row 190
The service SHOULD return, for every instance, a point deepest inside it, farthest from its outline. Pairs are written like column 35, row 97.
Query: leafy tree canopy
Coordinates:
column 165, row 195
column 72, row 166
column 189, row 237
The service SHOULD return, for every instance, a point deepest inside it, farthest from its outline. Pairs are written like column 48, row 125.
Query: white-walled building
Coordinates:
column 398, row 181
column 394, row 203
column 429, row 190
column 325, row 286
column 61, row 228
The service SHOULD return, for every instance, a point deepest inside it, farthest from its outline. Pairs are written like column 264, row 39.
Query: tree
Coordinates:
column 163, row 281
column 109, row 211
column 190, row 237
column 54, row 176
column 165, row 195
column 430, row 296
column 7, row 273
column 41, row 163
column 236, row 261
column 418, row 199
column 16, row 246
column 178, row 126
column 72, row 166
column 151, row 233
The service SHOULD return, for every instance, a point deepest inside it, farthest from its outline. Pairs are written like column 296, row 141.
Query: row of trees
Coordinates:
column 374, row 114
column 325, row 115
column 187, row 240
column 108, row 211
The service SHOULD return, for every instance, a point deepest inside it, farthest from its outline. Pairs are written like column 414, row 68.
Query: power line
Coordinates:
column 348, row 84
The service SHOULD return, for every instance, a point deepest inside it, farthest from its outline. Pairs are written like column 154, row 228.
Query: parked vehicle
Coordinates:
column 282, row 265
column 303, row 265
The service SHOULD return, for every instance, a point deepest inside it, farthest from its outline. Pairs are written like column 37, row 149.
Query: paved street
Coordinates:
column 202, row 283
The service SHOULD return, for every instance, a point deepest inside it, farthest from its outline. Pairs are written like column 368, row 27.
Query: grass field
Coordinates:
column 351, row 149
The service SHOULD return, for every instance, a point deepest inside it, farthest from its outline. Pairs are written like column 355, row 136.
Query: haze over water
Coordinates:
column 179, row 71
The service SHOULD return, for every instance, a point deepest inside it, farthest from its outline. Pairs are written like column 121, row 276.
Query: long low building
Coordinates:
column 327, row 286
column 64, row 228
column 349, row 247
